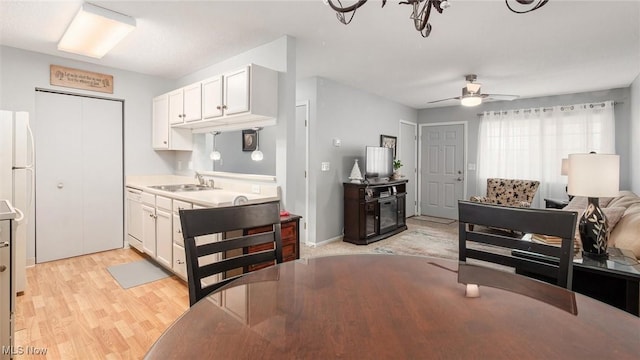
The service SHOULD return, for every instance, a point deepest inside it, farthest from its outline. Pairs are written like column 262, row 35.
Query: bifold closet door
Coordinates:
column 79, row 175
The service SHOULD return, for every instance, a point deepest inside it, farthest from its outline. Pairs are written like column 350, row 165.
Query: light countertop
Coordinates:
column 223, row 194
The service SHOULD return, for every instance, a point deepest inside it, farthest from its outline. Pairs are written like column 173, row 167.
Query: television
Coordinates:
column 378, row 162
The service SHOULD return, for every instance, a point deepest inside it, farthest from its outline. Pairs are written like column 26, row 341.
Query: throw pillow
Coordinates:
column 625, row 235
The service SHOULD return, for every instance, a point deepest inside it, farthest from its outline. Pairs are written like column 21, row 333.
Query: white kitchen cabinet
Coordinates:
column 134, row 218
column 164, row 136
column 164, row 231
column 179, row 261
column 239, row 99
column 185, row 104
column 149, row 230
column 212, row 100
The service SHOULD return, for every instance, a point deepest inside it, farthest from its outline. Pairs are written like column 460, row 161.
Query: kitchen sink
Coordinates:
column 181, row 187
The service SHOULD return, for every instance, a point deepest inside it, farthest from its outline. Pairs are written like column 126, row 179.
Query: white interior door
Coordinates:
column 441, row 170
column 301, row 166
column 407, row 153
column 79, row 175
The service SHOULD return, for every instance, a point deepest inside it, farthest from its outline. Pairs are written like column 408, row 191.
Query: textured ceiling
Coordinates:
column 565, row 47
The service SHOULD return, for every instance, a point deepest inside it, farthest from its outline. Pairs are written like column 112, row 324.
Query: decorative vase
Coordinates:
column 356, row 175
column 593, row 228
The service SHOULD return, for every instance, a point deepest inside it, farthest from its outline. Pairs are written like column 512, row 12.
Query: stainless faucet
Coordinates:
column 200, row 178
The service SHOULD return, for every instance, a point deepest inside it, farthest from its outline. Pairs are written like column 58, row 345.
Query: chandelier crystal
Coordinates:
column 421, row 10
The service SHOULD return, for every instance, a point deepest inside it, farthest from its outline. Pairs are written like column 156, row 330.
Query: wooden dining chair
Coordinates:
column 548, row 261
column 217, row 244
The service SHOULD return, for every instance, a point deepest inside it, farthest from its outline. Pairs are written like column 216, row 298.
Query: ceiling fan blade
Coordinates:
column 505, row 97
column 452, row 98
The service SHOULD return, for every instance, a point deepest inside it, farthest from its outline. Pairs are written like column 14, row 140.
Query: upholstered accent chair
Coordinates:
column 509, row 192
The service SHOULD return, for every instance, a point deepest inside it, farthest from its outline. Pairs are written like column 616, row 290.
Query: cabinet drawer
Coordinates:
column 260, row 247
column 178, row 205
column 288, row 230
column 163, row 202
column 289, row 252
column 149, row 199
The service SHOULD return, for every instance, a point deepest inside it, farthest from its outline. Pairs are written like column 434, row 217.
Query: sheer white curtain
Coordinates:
column 530, row 144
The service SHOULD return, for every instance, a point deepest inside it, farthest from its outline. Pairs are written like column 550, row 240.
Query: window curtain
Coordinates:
column 530, row 144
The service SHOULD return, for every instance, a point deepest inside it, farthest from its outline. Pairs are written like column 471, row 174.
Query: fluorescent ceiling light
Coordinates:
column 471, row 100
column 95, row 30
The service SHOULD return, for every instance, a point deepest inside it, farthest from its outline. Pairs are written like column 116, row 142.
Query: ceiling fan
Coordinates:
column 471, row 95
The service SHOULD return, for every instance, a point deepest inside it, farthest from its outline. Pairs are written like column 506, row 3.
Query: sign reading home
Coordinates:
column 80, row 79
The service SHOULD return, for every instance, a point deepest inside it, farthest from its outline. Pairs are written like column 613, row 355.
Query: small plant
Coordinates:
column 397, row 164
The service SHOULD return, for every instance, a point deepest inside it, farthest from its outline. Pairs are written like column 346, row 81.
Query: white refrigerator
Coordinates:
column 16, row 180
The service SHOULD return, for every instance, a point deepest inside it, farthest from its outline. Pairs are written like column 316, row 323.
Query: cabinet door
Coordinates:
column 164, row 238
column 212, row 97
column 236, row 91
column 179, row 261
column 192, row 103
column 177, row 230
column 371, row 223
column 176, row 107
column 149, row 230
column 401, row 209
column 161, row 122
column 134, row 218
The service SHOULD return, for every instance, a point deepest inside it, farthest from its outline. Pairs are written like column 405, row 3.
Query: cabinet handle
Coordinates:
column 164, row 142
column 179, row 231
column 184, row 115
column 179, row 115
column 219, row 107
column 3, row 268
column 4, row 244
column 224, row 106
column 179, row 262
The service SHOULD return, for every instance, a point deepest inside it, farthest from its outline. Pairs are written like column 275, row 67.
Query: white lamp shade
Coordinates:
column 594, row 175
column 564, row 169
column 215, row 155
column 471, row 100
column 94, row 31
column 257, row 155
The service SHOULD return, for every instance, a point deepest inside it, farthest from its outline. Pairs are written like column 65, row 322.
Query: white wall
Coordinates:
column 461, row 113
column 23, row 71
column 356, row 118
column 634, row 136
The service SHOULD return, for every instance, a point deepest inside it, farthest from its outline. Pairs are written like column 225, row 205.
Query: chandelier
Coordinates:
column 421, row 10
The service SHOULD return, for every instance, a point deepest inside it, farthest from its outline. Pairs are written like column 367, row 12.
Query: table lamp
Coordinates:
column 594, row 175
column 564, row 171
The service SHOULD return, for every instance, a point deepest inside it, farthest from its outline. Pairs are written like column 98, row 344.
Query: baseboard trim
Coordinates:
column 328, row 241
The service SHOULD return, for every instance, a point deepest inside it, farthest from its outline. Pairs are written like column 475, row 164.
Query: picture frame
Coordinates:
column 389, row 141
column 249, row 140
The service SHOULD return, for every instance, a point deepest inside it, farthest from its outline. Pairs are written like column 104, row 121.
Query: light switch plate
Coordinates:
column 337, row 142
column 471, row 167
column 255, row 189
column 324, row 166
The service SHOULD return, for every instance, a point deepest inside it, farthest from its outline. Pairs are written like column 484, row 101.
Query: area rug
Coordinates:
column 434, row 219
column 137, row 273
column 423, row 242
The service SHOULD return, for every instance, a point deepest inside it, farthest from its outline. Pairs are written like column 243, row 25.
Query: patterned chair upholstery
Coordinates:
column 509, row 192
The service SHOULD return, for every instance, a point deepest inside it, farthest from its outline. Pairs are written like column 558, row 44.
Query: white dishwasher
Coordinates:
column 134, row 218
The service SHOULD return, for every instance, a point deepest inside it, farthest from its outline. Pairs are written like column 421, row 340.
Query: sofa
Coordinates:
column 623, row 217
column 509, row 192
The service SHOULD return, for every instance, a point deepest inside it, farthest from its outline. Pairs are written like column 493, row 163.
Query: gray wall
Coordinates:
column 461, row 113
column 634, row 136
column 356, row 118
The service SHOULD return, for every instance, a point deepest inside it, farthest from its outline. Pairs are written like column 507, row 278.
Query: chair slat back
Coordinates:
column 542, row 259
column 227, row 220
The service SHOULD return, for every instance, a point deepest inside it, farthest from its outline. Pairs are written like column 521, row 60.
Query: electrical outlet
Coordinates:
column 471, row 167
column 190, row 166
column 325, row 166
column 255, row 189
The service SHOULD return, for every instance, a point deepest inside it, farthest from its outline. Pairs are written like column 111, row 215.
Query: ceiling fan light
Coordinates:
column 471, row 101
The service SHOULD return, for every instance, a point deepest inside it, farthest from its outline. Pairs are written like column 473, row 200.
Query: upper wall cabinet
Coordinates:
column 165, row 137
column 185, row 104
column 239, row 99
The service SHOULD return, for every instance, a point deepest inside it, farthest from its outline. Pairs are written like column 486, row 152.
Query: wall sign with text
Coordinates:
column 80, row 79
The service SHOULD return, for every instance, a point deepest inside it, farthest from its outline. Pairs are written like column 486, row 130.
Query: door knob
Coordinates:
column 60, row 185
column 4, row 244
column 459, row 179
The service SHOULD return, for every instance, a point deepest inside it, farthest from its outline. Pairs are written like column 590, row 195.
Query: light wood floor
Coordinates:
column 74, row 309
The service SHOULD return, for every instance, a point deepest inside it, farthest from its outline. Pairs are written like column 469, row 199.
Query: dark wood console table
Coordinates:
column 374, row 211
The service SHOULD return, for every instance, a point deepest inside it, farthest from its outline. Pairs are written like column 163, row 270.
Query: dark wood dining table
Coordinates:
column 388, row 306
